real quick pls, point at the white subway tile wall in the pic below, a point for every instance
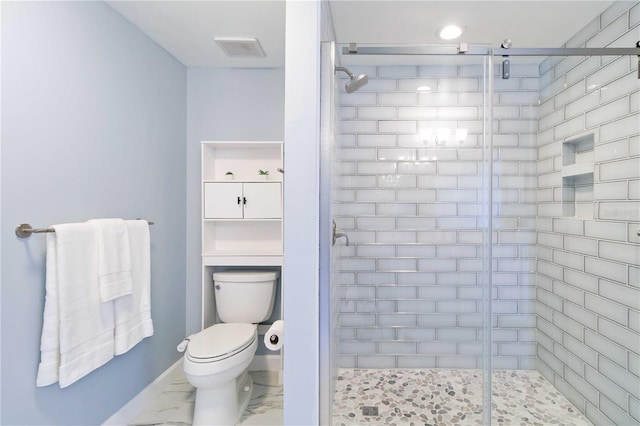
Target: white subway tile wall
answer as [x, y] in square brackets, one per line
[588, 291]
[411, 294]
[566, 295]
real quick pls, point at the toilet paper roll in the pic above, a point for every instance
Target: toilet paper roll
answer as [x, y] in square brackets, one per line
[273, 338]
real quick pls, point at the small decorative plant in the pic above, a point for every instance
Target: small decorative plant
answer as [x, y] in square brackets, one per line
[228, 175]
[263, 174]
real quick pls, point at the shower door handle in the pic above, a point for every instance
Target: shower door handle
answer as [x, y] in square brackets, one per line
[338, 233]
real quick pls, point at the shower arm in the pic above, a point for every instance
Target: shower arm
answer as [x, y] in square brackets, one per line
[345, 70]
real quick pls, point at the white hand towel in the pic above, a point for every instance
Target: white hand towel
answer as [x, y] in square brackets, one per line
[77, 333]
[133, 312]
[50, 340]
[114, 258]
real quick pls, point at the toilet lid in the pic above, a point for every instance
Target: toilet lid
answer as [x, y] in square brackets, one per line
[221, 341]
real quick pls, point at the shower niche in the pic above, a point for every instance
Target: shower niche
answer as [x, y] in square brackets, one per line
[577, 176]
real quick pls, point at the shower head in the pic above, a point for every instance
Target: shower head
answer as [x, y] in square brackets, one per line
[355, 81]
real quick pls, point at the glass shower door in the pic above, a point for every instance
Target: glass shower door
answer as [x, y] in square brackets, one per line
[567, 275]
[329, 306]
[414, 196]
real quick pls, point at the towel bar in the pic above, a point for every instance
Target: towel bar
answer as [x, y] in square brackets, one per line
[25, 230]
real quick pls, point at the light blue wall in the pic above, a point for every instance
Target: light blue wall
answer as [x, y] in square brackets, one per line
[224, 104]
[301, 212]
[93, 125]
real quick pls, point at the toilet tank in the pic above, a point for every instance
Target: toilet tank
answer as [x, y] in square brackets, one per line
[245, 296]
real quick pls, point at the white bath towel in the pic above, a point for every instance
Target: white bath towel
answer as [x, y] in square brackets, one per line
[114, 258]
[133, 312]
[77, 331]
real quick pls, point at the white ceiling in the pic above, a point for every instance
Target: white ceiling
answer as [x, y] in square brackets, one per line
[186, 29]
[526, 23]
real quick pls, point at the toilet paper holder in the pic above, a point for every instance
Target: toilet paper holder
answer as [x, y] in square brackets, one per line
[274, 337]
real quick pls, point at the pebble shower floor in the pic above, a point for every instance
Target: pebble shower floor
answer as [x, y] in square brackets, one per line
[445, 397]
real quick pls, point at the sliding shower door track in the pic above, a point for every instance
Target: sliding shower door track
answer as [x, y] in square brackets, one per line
[482, 49]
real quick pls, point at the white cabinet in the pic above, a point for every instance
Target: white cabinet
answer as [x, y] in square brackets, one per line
[249, 200]
[262, 200]
[222, 200]
[242, 217]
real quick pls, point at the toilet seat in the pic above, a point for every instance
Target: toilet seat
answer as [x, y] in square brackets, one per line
[220, 341]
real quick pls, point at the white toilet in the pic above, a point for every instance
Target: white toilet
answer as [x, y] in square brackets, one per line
[216, 360]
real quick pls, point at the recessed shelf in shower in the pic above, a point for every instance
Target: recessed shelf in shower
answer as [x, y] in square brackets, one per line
[577, 175]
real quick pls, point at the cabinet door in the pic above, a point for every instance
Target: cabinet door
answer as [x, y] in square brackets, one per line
[264, 200]
[221, 200]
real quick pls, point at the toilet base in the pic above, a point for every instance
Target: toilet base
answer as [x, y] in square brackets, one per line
[224, 404]
[245, 389]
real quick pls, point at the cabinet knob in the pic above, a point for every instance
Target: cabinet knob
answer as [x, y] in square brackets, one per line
[238, 200]
[244, 200]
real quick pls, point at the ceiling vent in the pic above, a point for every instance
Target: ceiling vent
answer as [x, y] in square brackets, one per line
[240, 47]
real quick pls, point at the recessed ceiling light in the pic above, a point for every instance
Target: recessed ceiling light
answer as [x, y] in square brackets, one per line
[450, 32]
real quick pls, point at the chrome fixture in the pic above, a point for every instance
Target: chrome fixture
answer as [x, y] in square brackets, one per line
[638, 45]
[506, 63]
[355, 82]
[482, 50]
[338, 233]
[24, 230]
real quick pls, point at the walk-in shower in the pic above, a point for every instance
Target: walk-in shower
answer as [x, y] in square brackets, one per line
[493, 270]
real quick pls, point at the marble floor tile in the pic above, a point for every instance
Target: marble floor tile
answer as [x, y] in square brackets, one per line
[265, 406]
[174, 406]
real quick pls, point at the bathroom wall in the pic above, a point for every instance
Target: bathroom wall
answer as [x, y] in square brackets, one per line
[411, 293]
[304, 27]
[0, 215]
[93, 125]
[588, 248]
[223, 104]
